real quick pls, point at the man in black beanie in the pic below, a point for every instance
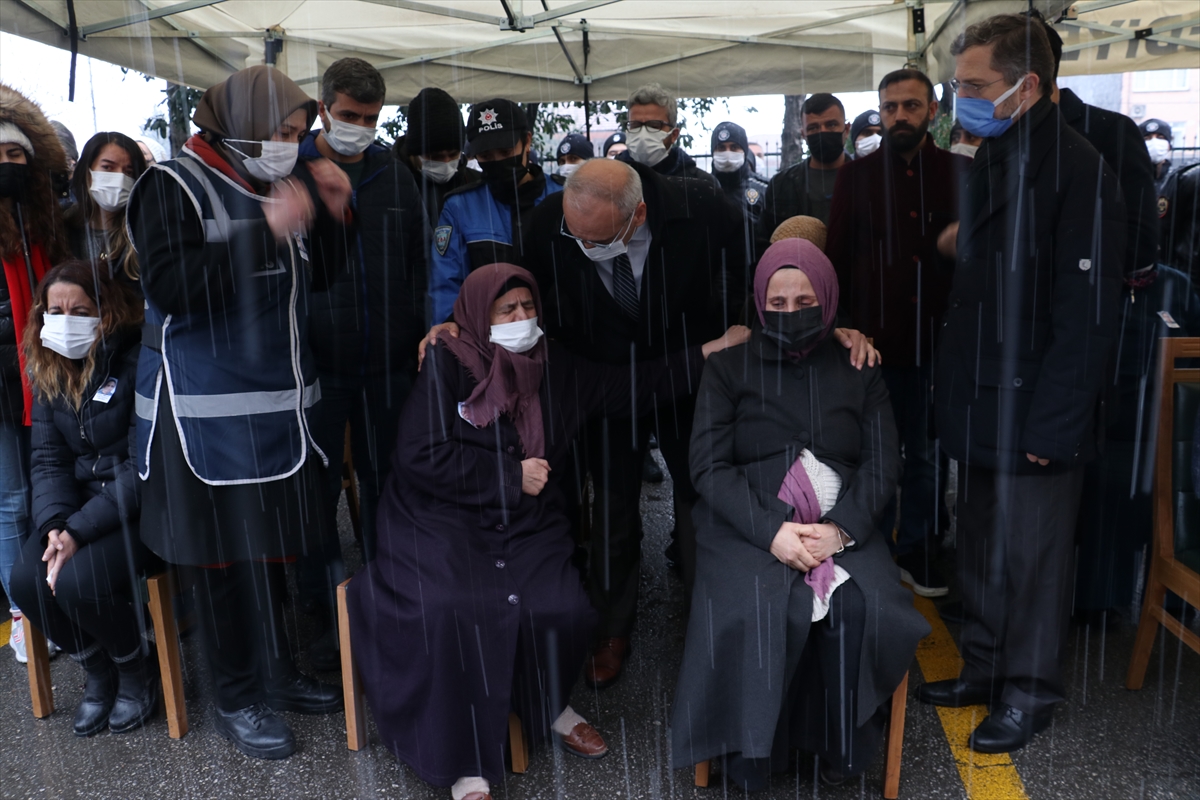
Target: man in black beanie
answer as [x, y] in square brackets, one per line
[432, 148]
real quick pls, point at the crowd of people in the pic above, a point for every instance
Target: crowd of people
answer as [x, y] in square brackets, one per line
[186, 343]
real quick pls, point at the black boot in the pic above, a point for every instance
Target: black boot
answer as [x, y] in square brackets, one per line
[99, 692]
[137, 692]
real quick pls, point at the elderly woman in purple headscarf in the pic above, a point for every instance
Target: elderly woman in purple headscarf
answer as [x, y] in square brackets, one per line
[472, 607]
[800, 629]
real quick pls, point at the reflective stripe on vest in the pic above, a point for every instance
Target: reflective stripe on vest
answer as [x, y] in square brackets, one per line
[209, 406]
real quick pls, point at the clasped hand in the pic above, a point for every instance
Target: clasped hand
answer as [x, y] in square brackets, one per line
[60, 547]
[804, 547]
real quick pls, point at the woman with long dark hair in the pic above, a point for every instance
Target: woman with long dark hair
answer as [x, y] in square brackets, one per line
[108, 167]
[76, 577]
[31, 239]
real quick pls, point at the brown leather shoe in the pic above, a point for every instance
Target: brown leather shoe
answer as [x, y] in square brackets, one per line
[607, 662]
[585, 742]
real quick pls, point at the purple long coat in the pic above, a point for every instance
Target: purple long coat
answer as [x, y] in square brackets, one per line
[472, 607]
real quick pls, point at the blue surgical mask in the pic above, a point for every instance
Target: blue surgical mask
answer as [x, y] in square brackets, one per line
[978, 115]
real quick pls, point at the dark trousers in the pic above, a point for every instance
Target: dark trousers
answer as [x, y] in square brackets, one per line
[1015, 554]
[614, 452]
[239, 608]
[372, 406]
[821, 709]
[911, 396]
[94, 596]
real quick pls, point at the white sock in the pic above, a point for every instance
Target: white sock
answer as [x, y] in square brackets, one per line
[464, 786]
[566, 722]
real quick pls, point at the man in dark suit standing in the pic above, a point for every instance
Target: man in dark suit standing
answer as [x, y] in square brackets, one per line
[888, 209]
[633, 266]
[1027, 336]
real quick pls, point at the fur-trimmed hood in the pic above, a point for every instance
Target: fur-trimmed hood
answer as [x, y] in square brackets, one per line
[27, 115]
[43, 219]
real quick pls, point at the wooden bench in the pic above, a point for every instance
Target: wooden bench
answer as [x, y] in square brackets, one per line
[159, 594]
[891, 760]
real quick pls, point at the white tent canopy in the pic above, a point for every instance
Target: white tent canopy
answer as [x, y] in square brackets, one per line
[534, 51]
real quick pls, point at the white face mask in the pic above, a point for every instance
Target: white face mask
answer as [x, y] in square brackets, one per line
[566, 169]
[516, 337]
[604, 252]
[276, 161]
[726, 161]
[439, 171]
[69, 336]
[646, 146]
[110, 190]
[868, 144]
[964, 149]
[1159, 149]
[347, 139]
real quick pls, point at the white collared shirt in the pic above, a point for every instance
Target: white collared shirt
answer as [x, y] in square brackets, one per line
[638, 251]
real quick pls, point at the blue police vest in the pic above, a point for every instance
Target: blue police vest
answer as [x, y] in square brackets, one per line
[240, 378]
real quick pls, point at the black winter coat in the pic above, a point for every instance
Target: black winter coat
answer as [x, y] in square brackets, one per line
[1117, 138]
[11, 403]
[692, 289]
[677, 164]
[751, 614]
[84, 468]
[1032, 316]
[372, 316]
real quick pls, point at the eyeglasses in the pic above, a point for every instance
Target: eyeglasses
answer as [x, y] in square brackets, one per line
[588, 243]
[971, 89]
[652, 124]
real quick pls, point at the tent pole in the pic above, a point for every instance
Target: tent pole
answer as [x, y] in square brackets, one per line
[587, 106]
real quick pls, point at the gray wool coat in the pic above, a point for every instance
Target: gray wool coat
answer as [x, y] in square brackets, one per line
[750, 613]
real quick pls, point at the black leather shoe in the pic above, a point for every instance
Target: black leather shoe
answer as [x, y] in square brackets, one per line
[137, 696]
[957, 693]
[256, 730]
[651, 471]
[1007, 729]
[99, 694]
[304, 695]
[954, 613]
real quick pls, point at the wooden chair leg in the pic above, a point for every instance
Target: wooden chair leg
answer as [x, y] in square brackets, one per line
[352, 693]
[517, 745]
[170, 668]
[1155, 596]
[40, 690]
[702, 770]
[349, 483]
[895, 741]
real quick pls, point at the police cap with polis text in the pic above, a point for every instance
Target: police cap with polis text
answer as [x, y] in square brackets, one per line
[495, 124]
[867, 119]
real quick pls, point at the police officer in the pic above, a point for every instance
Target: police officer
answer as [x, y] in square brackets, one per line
[733, 167]
[866, 133]
[573, 150]
[1158, 142]
[481, 224]
[614, 145]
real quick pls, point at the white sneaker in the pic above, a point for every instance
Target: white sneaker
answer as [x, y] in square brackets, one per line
[52, 649]
[16, 639]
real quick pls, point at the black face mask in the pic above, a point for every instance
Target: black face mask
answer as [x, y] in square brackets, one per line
[505, 172]
[826, 147]
[14, 180]
[794, 330]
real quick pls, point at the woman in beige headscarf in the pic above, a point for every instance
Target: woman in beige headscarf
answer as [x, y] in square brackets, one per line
[226, 239]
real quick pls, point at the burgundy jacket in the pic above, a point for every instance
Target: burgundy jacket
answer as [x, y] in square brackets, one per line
[883, 230]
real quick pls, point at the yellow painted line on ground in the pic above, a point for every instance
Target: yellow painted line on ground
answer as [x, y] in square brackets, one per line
[4, 629]
[985, 777]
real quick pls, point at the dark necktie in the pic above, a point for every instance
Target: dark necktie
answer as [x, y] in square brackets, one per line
[623, 287]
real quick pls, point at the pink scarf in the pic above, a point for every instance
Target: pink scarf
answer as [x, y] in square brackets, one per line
[797, 491]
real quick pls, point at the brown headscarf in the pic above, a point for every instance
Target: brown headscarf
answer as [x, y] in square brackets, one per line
[507, 383]
[250, 104]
